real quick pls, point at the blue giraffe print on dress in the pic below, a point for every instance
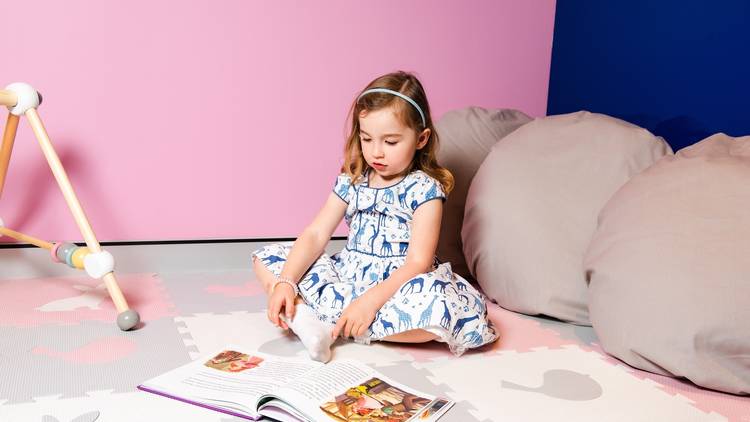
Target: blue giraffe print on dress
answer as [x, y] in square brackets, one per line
[402, 247]
[478, 304]
[343, 189]
[381, 220]
[386, 325]
[473, 338]
[314, 279]
[365, 269]
[388, 196]
[463, 297]
[439, 286]
[402, 195]
[424, 317]
[432, 193]
[336, 298]
[320, 292]
[387, 272]
[404, 318]
[460, 324]
[413, 282]
[386, 249]
[372, 239]
[461, 286]
[401, 222]
[445, 321]
[360, 231]
[272, 259]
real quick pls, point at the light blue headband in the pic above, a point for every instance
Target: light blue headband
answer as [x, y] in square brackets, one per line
[400, 95]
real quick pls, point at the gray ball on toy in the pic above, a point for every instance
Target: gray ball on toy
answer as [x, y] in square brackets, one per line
[127, 320]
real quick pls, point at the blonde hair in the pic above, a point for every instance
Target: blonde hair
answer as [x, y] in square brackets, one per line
[425, 159]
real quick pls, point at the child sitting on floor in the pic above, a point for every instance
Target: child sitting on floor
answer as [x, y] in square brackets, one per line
[386, 283]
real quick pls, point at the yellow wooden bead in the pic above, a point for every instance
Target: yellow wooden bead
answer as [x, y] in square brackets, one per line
[78, 257]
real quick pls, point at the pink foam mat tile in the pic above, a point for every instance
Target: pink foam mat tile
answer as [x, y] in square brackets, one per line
[735, 408]
[69, 300]
[97, 351]
[521, 333]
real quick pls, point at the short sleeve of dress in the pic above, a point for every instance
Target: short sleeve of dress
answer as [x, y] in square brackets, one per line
[425, 190]
[343, 187]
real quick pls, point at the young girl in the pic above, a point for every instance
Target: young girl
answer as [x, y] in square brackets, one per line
[386, 284]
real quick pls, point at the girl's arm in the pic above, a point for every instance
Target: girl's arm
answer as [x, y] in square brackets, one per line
[313, 240]
[306, 249]
[420, 256]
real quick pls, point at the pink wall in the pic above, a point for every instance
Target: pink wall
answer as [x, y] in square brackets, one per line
[198, 120]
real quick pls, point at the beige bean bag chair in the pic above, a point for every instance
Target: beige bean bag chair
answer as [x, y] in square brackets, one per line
[532, 208]
[466, 136]
[669, 267]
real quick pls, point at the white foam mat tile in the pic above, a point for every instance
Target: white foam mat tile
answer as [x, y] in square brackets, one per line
[208, 332]
[122, 407]
[374, 354]
[568, 383]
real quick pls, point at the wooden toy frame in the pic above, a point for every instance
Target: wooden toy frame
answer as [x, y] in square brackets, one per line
[22, 99]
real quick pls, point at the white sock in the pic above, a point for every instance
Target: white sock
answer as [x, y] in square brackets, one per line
[314, 333]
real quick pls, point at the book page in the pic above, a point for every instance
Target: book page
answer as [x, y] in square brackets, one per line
[230, 378]
[350, 391]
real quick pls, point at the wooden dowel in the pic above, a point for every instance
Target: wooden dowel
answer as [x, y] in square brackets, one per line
[8, 98]
[25, 238]
[9, 136]
[115, 293]
[62, 180]
[75, 206]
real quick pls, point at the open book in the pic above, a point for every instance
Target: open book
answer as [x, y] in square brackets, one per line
[252, 384]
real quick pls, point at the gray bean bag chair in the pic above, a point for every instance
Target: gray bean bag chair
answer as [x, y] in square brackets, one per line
[532, 207]
[466, 136]
[669, 267]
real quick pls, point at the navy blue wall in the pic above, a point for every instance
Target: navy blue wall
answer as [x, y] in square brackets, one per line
[678, 68]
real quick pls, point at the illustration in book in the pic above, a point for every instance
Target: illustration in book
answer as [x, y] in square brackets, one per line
[375, 400]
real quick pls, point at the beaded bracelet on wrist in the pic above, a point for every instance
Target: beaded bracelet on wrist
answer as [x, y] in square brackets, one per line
[288, 281]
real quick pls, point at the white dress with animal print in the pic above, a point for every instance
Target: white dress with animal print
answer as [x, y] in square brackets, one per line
[380, 222]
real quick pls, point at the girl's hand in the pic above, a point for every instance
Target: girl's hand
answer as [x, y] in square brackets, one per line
[281, 302]
[356, 318]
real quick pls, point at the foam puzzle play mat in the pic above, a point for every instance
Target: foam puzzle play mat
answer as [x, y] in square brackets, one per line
[62, 358]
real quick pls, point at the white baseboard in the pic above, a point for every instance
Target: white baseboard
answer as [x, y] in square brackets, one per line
[151, 258]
